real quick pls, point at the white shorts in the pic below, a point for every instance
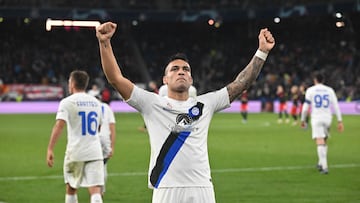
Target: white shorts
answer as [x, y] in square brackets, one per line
[84, 174]
[320, 128]
[184, 195]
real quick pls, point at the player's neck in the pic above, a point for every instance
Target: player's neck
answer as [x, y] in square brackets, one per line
[78, 91]
[180, 96]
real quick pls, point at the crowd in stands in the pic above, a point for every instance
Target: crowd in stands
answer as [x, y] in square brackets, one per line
[159, 4]
[31, 55]
[217, 55]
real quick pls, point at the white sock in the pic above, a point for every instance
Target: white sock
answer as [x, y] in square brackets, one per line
[96, 198]
[325, 165]
[71, 198]
[322, 154]
[105, 178]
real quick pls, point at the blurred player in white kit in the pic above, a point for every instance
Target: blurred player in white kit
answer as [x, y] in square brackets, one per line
[321, 97]
[83, 162]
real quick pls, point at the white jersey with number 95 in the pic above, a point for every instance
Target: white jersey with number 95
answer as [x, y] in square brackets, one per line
[323, 100]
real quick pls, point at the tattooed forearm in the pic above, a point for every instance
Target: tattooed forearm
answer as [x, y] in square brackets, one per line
[245, 78]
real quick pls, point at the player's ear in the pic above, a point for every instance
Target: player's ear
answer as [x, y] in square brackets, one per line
[165, 79]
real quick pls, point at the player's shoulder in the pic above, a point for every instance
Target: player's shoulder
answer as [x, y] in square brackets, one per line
[105, 105]
[67, 99]
[318, 87]
[163, 87]
[329, 88]
[214, 95]
[163, 90]
[325, 88]
[84, 97]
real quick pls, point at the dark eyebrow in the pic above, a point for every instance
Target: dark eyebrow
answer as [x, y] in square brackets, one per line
[176, 66]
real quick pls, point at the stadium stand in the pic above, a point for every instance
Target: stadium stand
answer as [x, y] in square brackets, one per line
[31, 55]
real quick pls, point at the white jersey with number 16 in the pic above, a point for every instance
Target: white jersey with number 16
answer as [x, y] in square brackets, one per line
[82, 114]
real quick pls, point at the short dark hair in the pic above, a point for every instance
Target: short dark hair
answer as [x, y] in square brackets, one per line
[319, 77]
[174, 57]
[80, 79]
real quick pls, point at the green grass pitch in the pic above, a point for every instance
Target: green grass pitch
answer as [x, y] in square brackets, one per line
[260, 161]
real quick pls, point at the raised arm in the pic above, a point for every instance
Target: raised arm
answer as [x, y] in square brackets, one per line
[112, 71]
[252, 70]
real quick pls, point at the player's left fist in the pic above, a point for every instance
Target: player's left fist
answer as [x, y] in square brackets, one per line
[266, 40]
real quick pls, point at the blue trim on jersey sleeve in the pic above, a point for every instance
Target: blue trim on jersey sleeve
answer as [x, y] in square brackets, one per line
[308, 101]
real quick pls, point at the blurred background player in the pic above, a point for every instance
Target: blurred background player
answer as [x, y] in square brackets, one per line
[302, 90]
[244, 106]
[321, 98]
[152, 87]
[94, 91]
[107, 135]
[281, 94]
[163, 91]
[83, 161]
[106, 95]
[295, 103]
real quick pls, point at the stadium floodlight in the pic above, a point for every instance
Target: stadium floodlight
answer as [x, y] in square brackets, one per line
[51, 23]
[277, 20]
[211, 21]
[340, 24]
[338, 15]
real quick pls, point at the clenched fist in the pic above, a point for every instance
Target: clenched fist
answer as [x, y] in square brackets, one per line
[105, 31]
[266, 40]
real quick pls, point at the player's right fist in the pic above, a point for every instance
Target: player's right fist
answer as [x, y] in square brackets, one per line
[105, 31]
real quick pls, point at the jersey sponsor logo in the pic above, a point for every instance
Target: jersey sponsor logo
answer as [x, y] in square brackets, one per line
[183, 119]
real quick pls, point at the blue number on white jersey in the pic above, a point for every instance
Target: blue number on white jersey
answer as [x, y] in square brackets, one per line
[89, 123]
[321, 101]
